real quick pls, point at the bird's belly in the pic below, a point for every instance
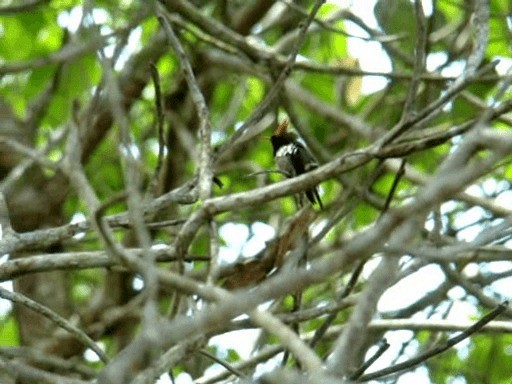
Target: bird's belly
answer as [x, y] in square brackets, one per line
[285, 165]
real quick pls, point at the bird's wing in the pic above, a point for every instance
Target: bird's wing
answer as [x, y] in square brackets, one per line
[302, 160]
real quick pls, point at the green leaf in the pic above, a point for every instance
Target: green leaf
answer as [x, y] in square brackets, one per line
[397, 17]
[9, 332]
[233, 355]
[14, 32]
[364, 214]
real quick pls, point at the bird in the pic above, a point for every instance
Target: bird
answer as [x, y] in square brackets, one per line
[293, 158]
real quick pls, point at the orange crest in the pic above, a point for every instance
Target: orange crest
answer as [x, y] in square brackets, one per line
[281, 128]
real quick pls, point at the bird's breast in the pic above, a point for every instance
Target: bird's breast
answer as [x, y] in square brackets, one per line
[284, 161]
[285, 165]
[286, 150]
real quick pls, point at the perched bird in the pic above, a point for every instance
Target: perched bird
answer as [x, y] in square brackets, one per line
[293, 158]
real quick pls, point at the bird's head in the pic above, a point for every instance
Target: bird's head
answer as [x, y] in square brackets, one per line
[281, 136]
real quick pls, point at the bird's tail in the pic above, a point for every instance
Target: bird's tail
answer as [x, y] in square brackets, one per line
[314, 197]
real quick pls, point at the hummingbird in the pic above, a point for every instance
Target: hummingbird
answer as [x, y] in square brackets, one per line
[293, 158]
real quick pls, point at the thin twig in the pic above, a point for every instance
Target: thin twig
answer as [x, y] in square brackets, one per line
[105, 231]
[21, 299]
[30, 374]
[471, 288]
[392, 190]
[205, 174]
[266, 173]
[82, 260]
[205, 129]
[419, 61]
[159, 106]
[213, 271]
[424, 114]
[481, 38]
[67, 53]
[261, 356]
[222, 362]
[273, 93]
[320, 332]
[438, 349]
[383, 347]
[351, 343]
[49, 361]
[360, 263]
[169, 359]
[289, 339]
[5, 218]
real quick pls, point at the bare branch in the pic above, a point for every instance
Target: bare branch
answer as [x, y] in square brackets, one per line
[205, 130]
[67, 53]
[57, 319]
[438, 349]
